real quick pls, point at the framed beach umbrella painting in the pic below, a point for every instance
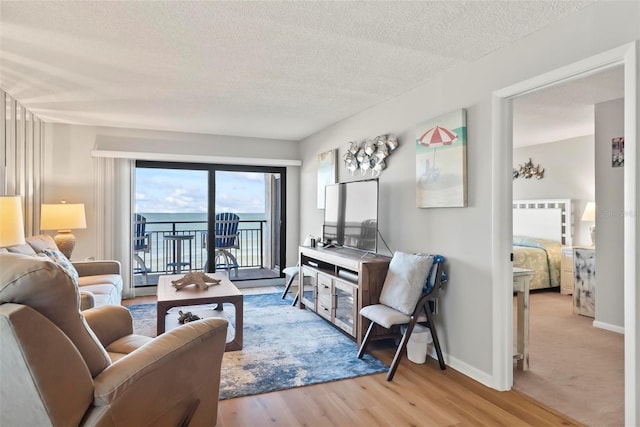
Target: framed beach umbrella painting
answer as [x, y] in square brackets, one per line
[441, 161]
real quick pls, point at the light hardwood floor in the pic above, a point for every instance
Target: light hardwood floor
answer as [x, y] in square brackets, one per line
[419, 395]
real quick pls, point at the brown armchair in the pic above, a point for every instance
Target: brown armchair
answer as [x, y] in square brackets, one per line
[61, 366]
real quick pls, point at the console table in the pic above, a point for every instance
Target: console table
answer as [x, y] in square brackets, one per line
[338, 283]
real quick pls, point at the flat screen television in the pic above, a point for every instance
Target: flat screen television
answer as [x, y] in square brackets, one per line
[351, 215]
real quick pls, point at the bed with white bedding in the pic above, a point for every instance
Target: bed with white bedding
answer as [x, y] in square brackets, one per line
[540, 229]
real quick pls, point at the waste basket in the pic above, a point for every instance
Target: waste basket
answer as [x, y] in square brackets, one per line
[418, 344]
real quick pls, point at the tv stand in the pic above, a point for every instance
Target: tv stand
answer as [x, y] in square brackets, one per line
[338, 282]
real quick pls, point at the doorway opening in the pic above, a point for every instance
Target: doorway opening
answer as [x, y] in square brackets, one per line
[558, 127]
[502, 220]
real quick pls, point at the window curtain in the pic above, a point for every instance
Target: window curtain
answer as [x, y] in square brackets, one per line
[21, 160]
[114, 201]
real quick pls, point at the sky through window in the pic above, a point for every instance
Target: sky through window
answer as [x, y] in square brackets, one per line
[185, 191]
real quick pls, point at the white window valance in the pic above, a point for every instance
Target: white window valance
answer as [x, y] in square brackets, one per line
[212, 149]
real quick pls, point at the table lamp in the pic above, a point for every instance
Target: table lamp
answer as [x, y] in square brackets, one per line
[63, 217]
[589, 214]
[11, 223]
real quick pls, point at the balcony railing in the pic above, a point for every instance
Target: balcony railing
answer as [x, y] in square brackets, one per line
[163, 252]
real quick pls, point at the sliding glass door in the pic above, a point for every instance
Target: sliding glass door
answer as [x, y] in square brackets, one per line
[197, 217]
[249, 196]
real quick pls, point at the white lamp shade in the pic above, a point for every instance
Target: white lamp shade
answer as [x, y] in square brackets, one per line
[11, 222]
[63, 216]
[589, 213]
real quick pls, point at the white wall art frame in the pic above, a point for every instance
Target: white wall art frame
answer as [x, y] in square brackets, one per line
[327, 173]
[441, 161]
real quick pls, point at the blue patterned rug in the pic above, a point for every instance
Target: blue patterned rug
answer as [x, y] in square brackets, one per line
[284, 347]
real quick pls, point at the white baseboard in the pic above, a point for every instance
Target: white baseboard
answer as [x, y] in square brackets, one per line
[145, 291]
[608, 327]
[464, 368]
[471, 371]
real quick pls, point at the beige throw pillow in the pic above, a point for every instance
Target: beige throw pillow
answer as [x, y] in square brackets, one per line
[405, 281]
[41, 242]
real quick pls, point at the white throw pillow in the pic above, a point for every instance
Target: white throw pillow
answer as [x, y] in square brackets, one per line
[405, 281]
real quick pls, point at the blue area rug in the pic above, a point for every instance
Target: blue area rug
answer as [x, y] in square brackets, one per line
[284, 347]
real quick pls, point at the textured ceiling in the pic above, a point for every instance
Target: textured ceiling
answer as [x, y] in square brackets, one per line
[565, 110]
[265, 69]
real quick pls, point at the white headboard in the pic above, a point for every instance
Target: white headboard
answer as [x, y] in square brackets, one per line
[549, 219]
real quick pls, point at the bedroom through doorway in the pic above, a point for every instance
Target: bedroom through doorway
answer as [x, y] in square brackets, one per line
[555, 137]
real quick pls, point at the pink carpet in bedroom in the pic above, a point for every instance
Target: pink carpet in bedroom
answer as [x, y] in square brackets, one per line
[574, 368]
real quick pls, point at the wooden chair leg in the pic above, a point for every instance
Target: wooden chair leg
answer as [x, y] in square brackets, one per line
[436, 341]
[286, 288]
[295, 299]
[401, 349]
[143, 268]
[365, 341]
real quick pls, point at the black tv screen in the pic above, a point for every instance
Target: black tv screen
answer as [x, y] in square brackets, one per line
[351, 215]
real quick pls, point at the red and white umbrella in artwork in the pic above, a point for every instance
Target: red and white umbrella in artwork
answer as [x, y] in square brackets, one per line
[437, 135]
[432, 138]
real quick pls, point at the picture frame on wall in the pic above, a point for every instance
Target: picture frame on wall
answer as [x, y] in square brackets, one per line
[327, 173]
[441, 161]
[617, 152]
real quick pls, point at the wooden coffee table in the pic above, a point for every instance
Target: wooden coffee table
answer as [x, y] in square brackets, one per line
[225, 292]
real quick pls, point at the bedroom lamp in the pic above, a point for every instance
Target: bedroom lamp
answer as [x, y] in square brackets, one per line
[63, 217]
[11, 223]
[589, 214]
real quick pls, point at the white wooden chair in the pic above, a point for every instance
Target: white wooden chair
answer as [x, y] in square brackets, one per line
[141, 243]
[292, 273]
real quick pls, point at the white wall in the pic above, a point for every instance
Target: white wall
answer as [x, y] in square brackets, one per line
[463, 235]
[69, 167]
[568, 174]
[609, 199]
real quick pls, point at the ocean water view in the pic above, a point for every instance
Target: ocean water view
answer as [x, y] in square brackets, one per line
[193, 220]
[251, 236]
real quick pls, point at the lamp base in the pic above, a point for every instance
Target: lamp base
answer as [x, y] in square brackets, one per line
[592, 229]
[65, 241]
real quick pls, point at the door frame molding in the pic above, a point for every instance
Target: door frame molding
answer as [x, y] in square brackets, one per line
[502, 222]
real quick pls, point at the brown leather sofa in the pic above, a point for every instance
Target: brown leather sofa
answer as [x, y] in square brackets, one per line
[100, 281]
[60, 366]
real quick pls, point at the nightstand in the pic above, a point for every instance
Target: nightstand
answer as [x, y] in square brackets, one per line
[584, 291]
[566, 271]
